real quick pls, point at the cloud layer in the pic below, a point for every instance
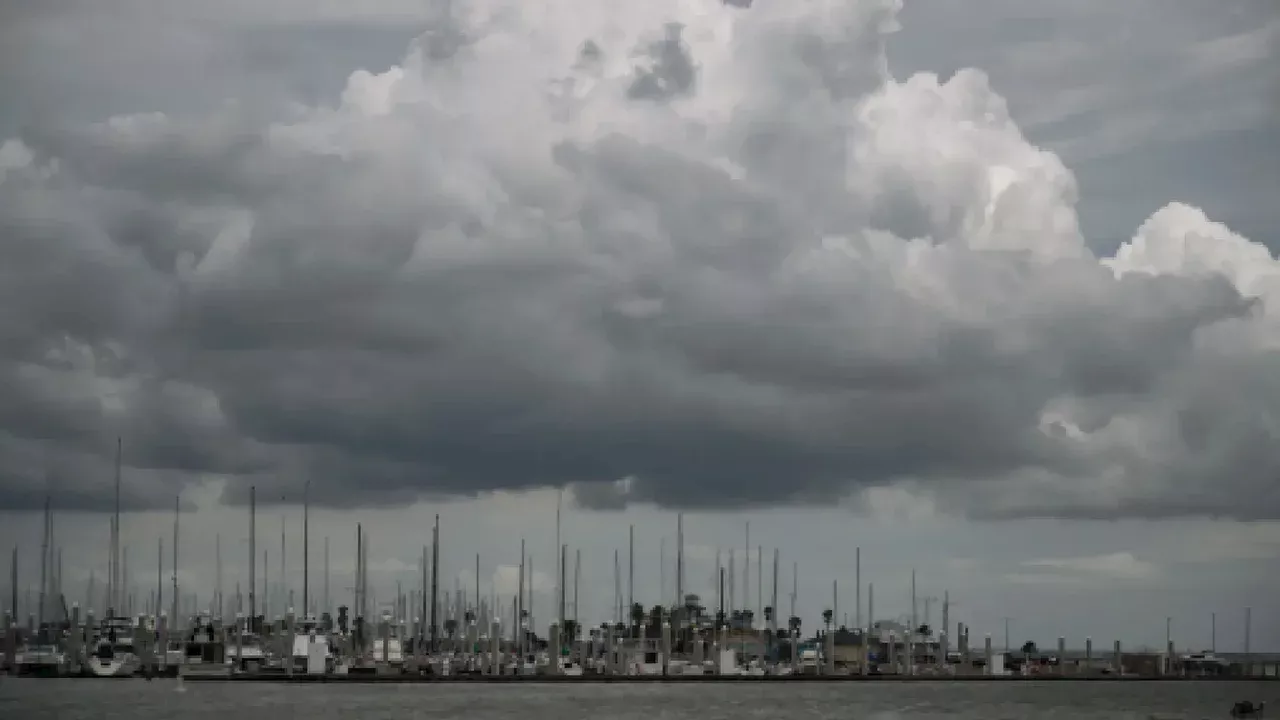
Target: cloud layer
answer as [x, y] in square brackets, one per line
[676, 252]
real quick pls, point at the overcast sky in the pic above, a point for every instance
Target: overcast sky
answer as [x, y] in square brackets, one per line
[987, 289]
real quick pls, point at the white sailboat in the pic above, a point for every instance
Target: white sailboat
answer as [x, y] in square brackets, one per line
[115, 654]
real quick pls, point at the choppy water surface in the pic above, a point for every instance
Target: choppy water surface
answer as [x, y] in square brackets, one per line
[162, 700]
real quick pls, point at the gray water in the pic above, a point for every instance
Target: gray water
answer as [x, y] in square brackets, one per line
[34, 699]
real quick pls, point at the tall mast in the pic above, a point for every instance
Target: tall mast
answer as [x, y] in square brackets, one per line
[358, 589]
[520, 593]
[253, 554]
[857, 579]
[217, 582]
[795, 584]
[915, 622]
[159, 576]
[324, 601]
[435, 581]
[662, 571]
[44, 564]
[746, 572]
[114, 594]
[284, 578]
[306, 549]
[559, 585]
[679, 562]
[577, 572]
[774, 624]
[174, 617]
[13, 584]
[631, 568]
[58, 582]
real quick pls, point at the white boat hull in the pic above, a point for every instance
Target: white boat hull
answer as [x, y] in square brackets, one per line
[117, 666]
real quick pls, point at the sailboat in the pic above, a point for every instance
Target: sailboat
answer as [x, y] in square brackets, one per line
[115, 654]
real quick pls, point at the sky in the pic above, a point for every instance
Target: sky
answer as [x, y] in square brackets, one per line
[988, 292]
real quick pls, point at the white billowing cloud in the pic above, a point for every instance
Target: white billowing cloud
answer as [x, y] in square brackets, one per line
[720, 254]
[1180, 240]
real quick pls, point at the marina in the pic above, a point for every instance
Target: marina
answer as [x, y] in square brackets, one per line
[427, 634]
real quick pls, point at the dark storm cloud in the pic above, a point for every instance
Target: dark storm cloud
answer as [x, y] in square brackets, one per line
[410, 294]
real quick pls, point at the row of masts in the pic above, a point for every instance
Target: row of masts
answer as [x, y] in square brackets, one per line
[425, 602]
[119, 600]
